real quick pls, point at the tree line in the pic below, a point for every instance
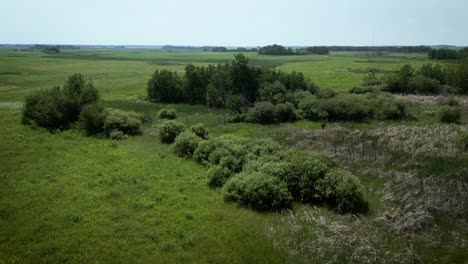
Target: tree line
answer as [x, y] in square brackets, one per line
[448, 54]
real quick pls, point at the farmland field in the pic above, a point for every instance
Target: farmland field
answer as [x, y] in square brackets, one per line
[69, 198]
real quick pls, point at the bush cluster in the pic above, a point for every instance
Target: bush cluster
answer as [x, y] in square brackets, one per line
[449, 114]
[167, 113]
[169, 130]
[200, 130]
[262, 175]
[185, 144]
[58, 108]
[128, 123]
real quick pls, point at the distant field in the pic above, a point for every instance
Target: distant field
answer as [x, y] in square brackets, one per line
[123, 73]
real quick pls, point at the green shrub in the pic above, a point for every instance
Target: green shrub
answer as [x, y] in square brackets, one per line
[117, 135]
[127, 122]
[92, 118]
[340, 108]
[362, 90]
[167, 113]
[384, 107]
[218, 176]
[285, 112]
[448, 101]
[200, 130]
[203, 151]
[342, 190]
[262, 112]
[257, 191]
[463, 142]
[449, 114]
[44, 109]
[185, 144]
[169, 130]
[166, 86]
[325, 93]
[58, 108]
[422, 85]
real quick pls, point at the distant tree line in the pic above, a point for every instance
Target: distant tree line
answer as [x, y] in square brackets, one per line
[240, 49]
[276, 49]
[448, 54]
[400, 49]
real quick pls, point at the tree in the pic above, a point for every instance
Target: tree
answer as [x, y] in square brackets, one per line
[165, 86]
[244, 78]
[196, 82]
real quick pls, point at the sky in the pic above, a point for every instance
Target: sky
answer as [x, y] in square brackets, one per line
[235, 23]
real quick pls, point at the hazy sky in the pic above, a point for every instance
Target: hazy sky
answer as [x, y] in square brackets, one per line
[235, 23]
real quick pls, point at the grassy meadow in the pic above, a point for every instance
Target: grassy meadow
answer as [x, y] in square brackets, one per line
[68, 198]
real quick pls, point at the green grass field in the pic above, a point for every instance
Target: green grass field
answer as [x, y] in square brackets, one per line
[68, 198]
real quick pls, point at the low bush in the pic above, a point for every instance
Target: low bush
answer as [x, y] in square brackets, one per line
[422, 85]
[218, 176]
[200, 130]
[127, 122]
[342, 108]
[285, 112]
[257, 191]
[449, 114]
[92, 118]
[448, 101]
[167, 113]
[117, 135]
[342, 190]
[203, 151]
[325, 93]
[169, 130]
[262, 112]
[362, 90]
[385, 107]
[185, 144]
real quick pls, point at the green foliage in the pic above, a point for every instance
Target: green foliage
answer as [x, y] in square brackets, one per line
[169, 130]
[318, 50]
[117, 135]
[92, 118]
[285, 112]
[167, 113]
[236, 104]
[275, 50]
[325, 93]
[362, 90]
[257, 191]
[196, 82]
[422, 85]
[59, 108]
[218, 176]
[127, 122]
[443, 54]
[200, 130]
[448, 101]
[342, 190]
[262, 112]
[272, 92]
[342, 108]
[203, 151]
[185, 144]
[384, 107]
[165, 86]
[449, 114]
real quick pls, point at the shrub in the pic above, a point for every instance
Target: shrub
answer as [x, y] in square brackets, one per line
[362, 90]
[218, 176]
[257, 191]
[341, 108]
[385, 107]
[463, 142]
[185, 144]
[169, 130]
[449, 114]
[92, 118]
[59, 108]
[117, 135]
[127, 122]
[167, 113]
[341, 189]
[203, 151]
[200, 130]
[422, 85]
[448, 101]
[285, 112]
[325, 93]
[44, 109]
[262, 112]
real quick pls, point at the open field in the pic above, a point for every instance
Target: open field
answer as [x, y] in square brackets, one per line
[68, 198]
